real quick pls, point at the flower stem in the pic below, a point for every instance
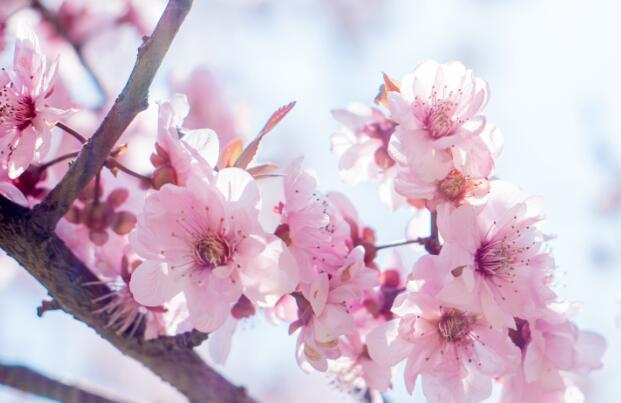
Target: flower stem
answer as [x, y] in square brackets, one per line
[72, 132]
[58, 159]
[114, 164]
[420, 241]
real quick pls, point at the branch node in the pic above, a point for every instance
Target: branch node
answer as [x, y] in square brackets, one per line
[47, 305]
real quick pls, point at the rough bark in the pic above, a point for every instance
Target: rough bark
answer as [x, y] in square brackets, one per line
[35, 383]
[28, 236]
[70, 283]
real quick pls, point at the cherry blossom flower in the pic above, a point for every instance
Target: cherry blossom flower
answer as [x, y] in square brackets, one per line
[440, 176]
[362, 146]
[440, 103]
[204, 241]
[498, 256]
[455, 351]
[550, 351]
[311, 226]
[443, 148]
[323, 314]
[83, 20]
[26, 118]
[179, 152]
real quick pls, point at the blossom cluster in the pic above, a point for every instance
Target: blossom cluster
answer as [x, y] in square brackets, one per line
[209, 236]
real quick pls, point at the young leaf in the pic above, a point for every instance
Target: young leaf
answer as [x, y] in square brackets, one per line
[251, 150]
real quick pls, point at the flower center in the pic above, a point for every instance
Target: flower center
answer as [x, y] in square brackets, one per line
[494, 257]
[17, 113]
[438, 120]
[212, 250]
[453, 187]
[454, 325]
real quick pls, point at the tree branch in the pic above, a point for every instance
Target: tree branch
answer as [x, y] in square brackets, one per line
[27, 380]
[27, 236]
[52, 263]
[132, 100]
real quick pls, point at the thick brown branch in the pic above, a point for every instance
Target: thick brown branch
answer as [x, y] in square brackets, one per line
[49, 260]
[27, 380]
[131, 101]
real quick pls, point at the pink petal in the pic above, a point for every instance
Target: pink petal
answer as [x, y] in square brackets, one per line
[385, 345]
[151, 284]
[238, 185]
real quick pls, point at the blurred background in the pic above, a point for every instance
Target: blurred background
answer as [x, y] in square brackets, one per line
[554, 69]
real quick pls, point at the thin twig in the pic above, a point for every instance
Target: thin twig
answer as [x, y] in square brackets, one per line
[114, 164]
[110, 163]
[132, 100]
[58, 159]
[420, 241]
[33, 382]
[72, 132]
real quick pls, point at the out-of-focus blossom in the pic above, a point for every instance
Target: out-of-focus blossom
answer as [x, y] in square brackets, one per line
[204, 240]
[9, 7]
[208, 105]
[81, 19]
[26, 118]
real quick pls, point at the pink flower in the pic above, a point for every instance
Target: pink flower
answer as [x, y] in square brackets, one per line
[550, 351]
[443, 175]
[497, 255]
[444, 149]
[204, 241]
[25, 117]
[310, 225]
[362, 145]
[179, 152]
[455, 351]
[323, 309]
[441, 102]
